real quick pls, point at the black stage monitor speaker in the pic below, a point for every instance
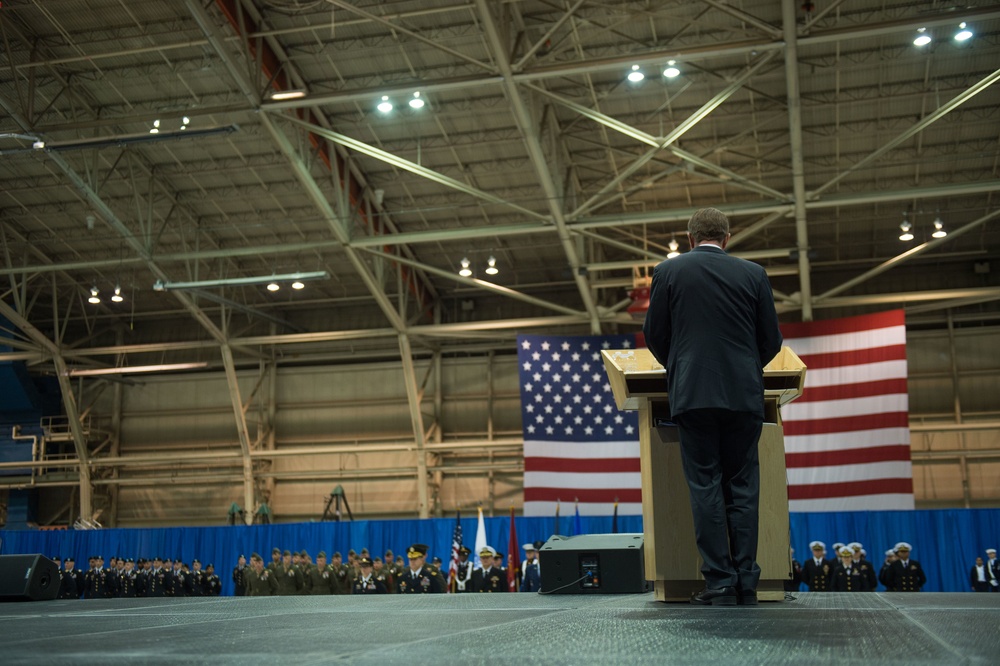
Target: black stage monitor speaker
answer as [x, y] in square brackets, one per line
[593, 564]
[28, 578]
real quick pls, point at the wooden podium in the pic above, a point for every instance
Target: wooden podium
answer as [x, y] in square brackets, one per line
[672, 559]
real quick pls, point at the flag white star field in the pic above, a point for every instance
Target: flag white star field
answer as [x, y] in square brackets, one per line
[847, 438]
[577, 445]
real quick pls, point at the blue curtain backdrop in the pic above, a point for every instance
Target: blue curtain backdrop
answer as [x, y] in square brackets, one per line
[945, 542]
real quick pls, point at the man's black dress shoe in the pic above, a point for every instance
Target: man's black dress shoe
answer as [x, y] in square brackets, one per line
[748, 597]
[723, 596]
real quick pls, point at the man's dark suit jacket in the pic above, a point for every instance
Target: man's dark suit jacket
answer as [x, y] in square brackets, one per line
[712, 324]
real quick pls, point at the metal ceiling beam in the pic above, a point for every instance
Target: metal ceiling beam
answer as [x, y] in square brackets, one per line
[69, 404]
[475, 282]
[407, 165]
[241, 430]
[741, 15]
[909, 254]
[529, 131]
[417, 422]
[794, 102]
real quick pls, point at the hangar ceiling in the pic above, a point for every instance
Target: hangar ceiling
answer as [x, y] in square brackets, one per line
[819, 127]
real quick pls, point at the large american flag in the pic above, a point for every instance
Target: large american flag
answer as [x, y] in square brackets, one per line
[847, 437]
[577, 445]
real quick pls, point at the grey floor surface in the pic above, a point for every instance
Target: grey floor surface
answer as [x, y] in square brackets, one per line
[504, 629]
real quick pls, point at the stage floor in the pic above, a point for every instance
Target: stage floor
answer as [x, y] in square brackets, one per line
[504, 629]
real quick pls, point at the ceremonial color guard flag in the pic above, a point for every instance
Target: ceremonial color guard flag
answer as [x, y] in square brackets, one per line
[577, 445]
[847, 438]
[456, 546]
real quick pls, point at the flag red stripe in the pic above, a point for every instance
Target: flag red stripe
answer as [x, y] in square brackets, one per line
[810, 329]
[587, 495]
[847, 391]
[847, 424]
[848, 456]
[540, 464]
[854, 357]
[852, 489]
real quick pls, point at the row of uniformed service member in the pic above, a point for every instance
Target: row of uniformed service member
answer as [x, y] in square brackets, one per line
[850, 571]
[157, 577]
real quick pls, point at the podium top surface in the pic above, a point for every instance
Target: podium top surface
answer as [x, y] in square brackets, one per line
[646, 379]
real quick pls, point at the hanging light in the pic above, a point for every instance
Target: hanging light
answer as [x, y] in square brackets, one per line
[416, 102]
[491, 268]
[385, 106]
[288, 94]
[117, 297]
[671, 70]
[674, 249]
[905, 226]
[939, 231]
[963, 33]
[94, 298]
[156, 127]
[922, 38]
[636, 74]
[185, 121]
[466, 271]
[273, 286]
[298, 285]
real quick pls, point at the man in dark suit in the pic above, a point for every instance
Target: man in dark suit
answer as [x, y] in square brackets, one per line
[712, 324]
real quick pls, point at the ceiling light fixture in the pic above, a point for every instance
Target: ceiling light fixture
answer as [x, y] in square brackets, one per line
[288, 94]
[385, 106]
[240, 282]
[156, 127]
[94, 298]
[963, 33]
[674, 248]
[491, 268]
[466, 271]
[298, 285]
[117, 297]
[922, 38]
[416, 102]
[905, 226]
[273, 286]
[636, 74]
[671, 70]
[939, 231]
[133, 369]
[185, 121]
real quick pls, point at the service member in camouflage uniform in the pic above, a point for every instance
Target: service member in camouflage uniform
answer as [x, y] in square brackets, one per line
[342, 575]
[320, 579]
[260, 582]
[289, 577]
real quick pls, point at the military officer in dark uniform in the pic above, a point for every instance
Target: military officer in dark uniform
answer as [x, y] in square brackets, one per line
[211, 585]
[239, 576]
[816, 572]
[127, 582]
[260, 582]
[418, 579]
[463, 575]
[367, 583]
[993, 569]
[142, 566]
[847, 576]
[95, 582]
[883, 573]
[793, 583]
[156, 579]
[289, 577]
[531, 573]
[487, 578]
[176, 585]
[859, 562]
[905, 575]
[69, 581]
[320, 580]
[194, 581]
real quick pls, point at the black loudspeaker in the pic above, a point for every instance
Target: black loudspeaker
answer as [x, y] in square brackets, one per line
[593, 564]
[28, 578]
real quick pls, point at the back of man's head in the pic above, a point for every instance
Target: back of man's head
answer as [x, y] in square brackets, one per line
[708, 224]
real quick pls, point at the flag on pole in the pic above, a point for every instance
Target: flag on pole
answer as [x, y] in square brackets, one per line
[456, 545]
[847, 438]
[513, 557]
[577, 524]
[480, 536]
[555, 529]
[614, 520]
[576, 442]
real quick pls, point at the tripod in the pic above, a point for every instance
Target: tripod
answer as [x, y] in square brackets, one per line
[335, 498]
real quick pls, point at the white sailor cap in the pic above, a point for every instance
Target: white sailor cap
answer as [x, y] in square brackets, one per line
[854, 545]
[902, 545]
[837, 546]
[890, 552]
[529, 546]
[845, 552]
[991, 550]
[813, 545]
